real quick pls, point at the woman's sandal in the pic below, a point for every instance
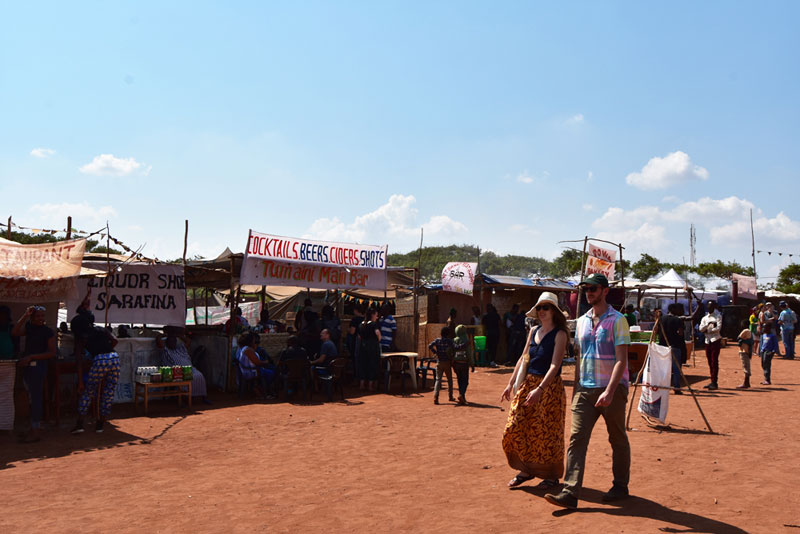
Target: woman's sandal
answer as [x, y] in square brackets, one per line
[519, 479]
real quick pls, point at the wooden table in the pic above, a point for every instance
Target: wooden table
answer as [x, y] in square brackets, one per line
[412, 364]
[170, 389]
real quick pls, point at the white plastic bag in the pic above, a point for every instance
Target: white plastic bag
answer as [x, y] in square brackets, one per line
[656, 379]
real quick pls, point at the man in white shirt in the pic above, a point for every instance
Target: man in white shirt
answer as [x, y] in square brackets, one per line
[710, 325]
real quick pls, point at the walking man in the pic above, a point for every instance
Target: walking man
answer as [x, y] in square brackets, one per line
[787, 319]
[710, 325]
[601, 391]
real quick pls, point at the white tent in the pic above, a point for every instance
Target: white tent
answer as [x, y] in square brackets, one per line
[672, 284]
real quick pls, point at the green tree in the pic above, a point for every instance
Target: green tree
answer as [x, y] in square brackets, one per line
[722, 269]
[567, 264]
[789, 279]
[646, 267]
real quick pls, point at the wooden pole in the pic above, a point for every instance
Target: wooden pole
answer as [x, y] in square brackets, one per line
[622, 275]
[583, 270]
[205, 294]
[8, 228]
[69, 227]
[416, 311]
[108, 263]
[753, 241]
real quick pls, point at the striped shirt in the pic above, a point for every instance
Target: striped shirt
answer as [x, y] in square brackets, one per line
[598, 347]
[388, 328]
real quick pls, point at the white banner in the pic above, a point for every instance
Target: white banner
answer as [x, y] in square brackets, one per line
[258, 272]
[656, 379]
[459, 277]
[307, 251]
[596, 265]
[39, 273]
[286, 261]
[604, 254]
[139, 294]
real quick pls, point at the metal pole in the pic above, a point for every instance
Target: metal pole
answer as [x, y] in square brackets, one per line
[753, 241]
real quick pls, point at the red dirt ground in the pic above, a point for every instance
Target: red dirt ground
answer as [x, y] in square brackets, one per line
[392, 463]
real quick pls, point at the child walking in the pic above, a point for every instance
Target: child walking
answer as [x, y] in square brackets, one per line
[462, 361]
[444, 348]
[745, 341]
[767, 349]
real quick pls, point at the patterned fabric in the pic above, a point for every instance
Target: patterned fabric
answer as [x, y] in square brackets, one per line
[533, 439]
[105, 369]
[388, 328]
[443, 347]
[598, 347]
[180, 356]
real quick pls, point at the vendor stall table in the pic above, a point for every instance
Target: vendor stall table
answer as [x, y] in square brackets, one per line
[412, 364]
[170, 389]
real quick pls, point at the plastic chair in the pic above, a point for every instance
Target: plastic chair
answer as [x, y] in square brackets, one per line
[423, 368]
[244, 385]
[296, 372]
[396, 366]
[336, 377]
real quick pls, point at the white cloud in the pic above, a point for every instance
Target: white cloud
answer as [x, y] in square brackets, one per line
[82, 214]
[673, 169]
[42, 153]
[778, 230]
[590, 176]
[671, 199]
[705, 210]
[575, 119]
[524, 229]
[394, 222]
[646, 237]
[109, 165]
[525, 178]
[587, 207]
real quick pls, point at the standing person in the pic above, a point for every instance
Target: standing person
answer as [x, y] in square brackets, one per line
[451, 319]
[476, 316]
[602, 390]
[369, 350]
[755, 326]
[352, 332]
[771, 319]
[745, 341]
[515, 322]
[40, 346]
[444, 349]
[710, 325]
[491, 324]
[673, 337]
[104, 370]
[786, 320]
[81, 326]
[767, 349]
[388, 328]
[463, 359]
[630, 316]
[533, 439]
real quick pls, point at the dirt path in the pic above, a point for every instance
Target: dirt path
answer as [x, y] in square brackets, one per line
[387, 462]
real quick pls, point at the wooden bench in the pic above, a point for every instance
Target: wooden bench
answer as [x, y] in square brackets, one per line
[162, 390]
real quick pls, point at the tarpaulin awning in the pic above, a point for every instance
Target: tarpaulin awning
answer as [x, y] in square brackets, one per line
[532, 283]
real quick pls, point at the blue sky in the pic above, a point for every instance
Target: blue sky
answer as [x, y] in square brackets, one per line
[507, 125]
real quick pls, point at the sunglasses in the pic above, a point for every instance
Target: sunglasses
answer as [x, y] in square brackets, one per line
[545, 307]
[591, 288]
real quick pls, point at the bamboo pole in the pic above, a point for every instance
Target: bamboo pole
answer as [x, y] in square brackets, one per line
[108, 263]
[69, 227]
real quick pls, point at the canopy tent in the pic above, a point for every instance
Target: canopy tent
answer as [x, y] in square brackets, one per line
[672, 284]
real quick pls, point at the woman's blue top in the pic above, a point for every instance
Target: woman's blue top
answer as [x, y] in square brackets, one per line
[541, 354]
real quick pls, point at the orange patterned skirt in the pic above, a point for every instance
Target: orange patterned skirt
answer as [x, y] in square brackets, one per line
[533, 439]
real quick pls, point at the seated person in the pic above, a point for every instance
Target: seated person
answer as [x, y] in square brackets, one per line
[293, 351]
[252, 366]
[175, 352]
[327, 353]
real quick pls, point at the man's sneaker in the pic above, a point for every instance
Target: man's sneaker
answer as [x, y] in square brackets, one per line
[615, 494]
[98, 427]
[712, 386]
[78, 429]
[563, 499]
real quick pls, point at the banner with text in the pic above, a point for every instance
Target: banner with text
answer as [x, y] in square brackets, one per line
[139, 294]
[39, 273]
[601, 260]
[459, 277]
[746, 286]
[287, 261]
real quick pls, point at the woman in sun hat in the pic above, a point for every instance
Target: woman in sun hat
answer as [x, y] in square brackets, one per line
[533, 439]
